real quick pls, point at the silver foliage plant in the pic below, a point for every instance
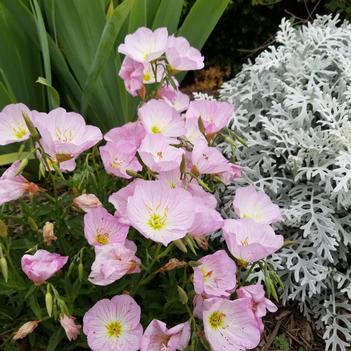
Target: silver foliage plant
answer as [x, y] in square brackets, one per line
[293, 106]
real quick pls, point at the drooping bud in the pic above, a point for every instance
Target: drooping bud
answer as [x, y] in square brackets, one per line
[71, 328]
[183, 297]
[25, 329]
[86, 202]
[49, 302]
[4, 268]
[3, 229]
[48, 233]
[173, 263]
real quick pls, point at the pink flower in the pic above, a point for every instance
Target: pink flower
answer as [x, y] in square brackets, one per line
[131, 133]
[149, 73]
[119, 200]
[250, 241]
[158, 117]
[158, 155]
[112, 262]
[157, 337]
[72, 329]
[64, 136]
[207, 199]
[181, 56]
[259, 303]
[13, 186]
[118, 158]
[208, 220]
[101, 228]
[13, 128]
[86, 202]
[193, 133]
[171, 178]
[42, 265]
[145, 45]
[249, 203]
[160, 213]
[215, 115]
[229, 176]
[113, 325]
[132, 73]
[230, 325]
[208, 160]
[216, 275]
[174, 98]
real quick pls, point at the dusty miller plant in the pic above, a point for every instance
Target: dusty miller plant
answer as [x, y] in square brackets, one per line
[293, 106]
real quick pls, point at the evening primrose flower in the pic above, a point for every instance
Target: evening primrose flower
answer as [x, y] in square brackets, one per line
[174, 98]
[158, 155]
[158, 117]
[72, 329]
[13, 186]
[249, 241]
[159, 212]
[132, 73]
[181, 56]
[215, 275]
[259, 303]
[102, 228]
[13, 127]
[64, 136]
[112, 262]
[145, 45]
[113, 325]
[86, 202]
[230, 325]
[215, 115]
[118, 158]
[42, 265]
[157, 337]
[256, 205]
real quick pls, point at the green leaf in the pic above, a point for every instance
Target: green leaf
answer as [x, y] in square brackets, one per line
[106, 45]
[51, 90]
[12, 157]
[55, 339]
[168, 15]
[138, 16]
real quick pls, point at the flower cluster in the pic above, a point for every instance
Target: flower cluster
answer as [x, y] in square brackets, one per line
[170, 166]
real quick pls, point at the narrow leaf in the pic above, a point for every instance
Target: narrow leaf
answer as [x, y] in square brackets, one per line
[168, 15]
[51, 90]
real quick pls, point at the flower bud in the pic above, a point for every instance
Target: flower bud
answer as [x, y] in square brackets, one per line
[25, 329]
[191, 244]
[173, 263]
[202, 242]
[3, 229]
[49, 302]
[22, 166]
[180, 245]
[48, 233]
[71, 328]
[33, 131]
[80, 271]
[4, 268]
[86, 202]
[183, 297]
[32, 224]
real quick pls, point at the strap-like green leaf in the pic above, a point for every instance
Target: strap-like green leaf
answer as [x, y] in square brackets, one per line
[168, 15]
[51, 90]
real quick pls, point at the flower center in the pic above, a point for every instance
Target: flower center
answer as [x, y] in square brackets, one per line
[102, 238]
[216, 320]
[255, 214]
[155, 130]
[65, 136]
[20, 131]
[245, 242]
[116, 163]
[206, 275]
[159, 155]
[114, 329]
[156, 221]
[147, 77]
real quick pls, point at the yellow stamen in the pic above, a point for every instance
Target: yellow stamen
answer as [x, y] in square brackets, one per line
[147, 77]
[65, 136]
[155, 130]
[114, 329]
[216, 320]
[102, 238]
[206, 275]
[19, 132]
[156, 221]
[245, 242]
[116, 164]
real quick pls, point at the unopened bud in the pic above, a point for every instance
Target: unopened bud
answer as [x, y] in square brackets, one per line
[25, 329]
[191, 244]
[49, 302]
[22, 166]
[86, 202]
[48, 233]
[133, 174]
[32, 224]
[3, 229]
[173, 263]
[4, 268]
[80, 271]
[202, 242]
[183, 297]
[180, 245]
[32, 130]
[194, 263]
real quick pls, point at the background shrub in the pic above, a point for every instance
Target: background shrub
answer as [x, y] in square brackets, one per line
[293, 106]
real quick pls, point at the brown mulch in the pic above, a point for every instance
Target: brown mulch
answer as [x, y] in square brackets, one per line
[288, 330]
